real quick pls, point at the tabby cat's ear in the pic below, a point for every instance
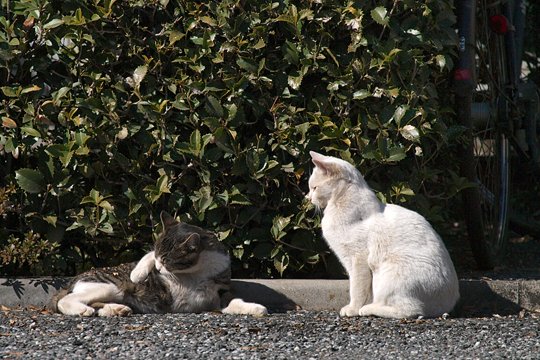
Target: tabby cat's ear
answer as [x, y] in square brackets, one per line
[193, 241]
[167, 220]
[324, 163]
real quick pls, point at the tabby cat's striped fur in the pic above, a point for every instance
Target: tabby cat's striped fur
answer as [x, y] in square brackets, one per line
[188, 271]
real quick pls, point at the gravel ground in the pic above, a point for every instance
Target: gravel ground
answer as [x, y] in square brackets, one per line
[37, 334]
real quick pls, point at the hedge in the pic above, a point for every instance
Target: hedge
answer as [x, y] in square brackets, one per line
[113, 111]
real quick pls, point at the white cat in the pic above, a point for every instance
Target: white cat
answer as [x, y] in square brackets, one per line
[398, 266]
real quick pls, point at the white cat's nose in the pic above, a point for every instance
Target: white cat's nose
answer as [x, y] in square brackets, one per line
[308, 196]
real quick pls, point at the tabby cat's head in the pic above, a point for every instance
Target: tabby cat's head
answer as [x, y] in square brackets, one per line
[178, 248]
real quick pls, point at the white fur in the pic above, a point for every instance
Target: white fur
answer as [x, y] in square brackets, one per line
[84, 293]
[240, 307]
[112, 309]
[397, 264]
[143, 268]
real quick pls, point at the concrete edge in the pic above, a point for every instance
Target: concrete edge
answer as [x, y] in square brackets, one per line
[477, 296]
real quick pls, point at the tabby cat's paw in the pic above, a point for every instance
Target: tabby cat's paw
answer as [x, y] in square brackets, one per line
[67, 307]
[114, 310]
[349, 310]
[259, 310]
[240, 307]
[88, 311]
[138, 275]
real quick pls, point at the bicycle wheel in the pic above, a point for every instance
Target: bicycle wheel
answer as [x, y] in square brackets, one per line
[486, 205]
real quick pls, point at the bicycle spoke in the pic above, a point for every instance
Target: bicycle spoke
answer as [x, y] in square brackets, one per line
[490, 144]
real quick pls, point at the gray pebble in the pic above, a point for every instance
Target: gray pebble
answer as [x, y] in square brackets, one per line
[293, 335]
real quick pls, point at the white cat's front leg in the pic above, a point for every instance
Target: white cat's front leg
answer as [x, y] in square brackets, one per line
[143, 268]
[359, 287]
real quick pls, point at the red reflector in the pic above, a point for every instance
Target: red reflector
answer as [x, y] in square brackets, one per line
[462, 74]
[499, 24]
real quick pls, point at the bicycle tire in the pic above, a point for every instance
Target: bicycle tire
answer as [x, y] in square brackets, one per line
[487, 153]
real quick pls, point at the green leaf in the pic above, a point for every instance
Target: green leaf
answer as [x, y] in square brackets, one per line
[361, 94]
[202, 199]
[247, 65]
[10, 91]
[379, 15]
[208, 20]
[30, 89]
[278, 225]
[237, 198]
[61, 93]
[290, 52]
[81, 138]
[295, 81]
[106, 205]
[51, 219]
[223, 140]
[214, 106]
[396, 154]
[163, 184]
[406, 191]
[30, 180]
[139, 74]
[154, 192]
[106, 228]
[94, 198]
[8, 123]
[56, 150]
[410, 133]
[53, 24]
[30, 131]
[175, 36]
[441, 61]
[281, 264]
[195, 144]
[260, 44]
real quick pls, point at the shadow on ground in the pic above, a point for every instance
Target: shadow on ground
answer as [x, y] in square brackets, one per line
[480, 300]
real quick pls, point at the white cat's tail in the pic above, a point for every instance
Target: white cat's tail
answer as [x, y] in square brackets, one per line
[240, 307]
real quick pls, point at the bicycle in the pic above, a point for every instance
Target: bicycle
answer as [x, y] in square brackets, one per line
[500, 110]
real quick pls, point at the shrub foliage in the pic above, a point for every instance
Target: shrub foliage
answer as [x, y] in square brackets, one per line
[115, 110]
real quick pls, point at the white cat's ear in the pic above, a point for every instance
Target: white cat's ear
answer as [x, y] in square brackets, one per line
[167, 220]
[322, 162]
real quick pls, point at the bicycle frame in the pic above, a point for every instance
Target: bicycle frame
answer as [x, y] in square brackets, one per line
[521, 135]
[505, 113]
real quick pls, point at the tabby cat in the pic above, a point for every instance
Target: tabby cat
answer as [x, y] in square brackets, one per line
[189, 271]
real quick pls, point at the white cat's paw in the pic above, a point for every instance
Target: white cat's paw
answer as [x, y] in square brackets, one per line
[114, 310]
[138, 275]
[349, 310]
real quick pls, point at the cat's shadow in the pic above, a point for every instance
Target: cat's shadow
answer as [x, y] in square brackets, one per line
[255, 292]
[479, 299]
